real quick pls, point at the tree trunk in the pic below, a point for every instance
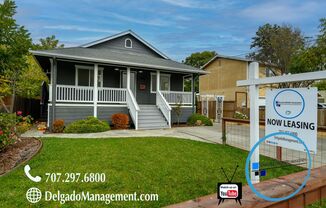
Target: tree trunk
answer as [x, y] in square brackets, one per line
[13, 98]
[4, 106]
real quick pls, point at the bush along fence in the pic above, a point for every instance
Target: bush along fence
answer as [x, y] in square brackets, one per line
[235, 132]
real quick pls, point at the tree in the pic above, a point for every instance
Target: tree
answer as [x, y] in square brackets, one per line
[47, 43]
[197, 60]
[312, 57]
[31, 79]
[276, 45]
[32, 76]
[178, 109]
[15, 42]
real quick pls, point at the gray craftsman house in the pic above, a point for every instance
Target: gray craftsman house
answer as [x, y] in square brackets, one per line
[118, 74]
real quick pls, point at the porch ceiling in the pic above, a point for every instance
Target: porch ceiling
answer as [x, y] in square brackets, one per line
[117, 57]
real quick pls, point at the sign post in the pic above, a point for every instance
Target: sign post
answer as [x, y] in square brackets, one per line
[254, 121]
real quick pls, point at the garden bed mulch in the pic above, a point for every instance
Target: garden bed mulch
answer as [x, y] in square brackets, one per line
[22, 150]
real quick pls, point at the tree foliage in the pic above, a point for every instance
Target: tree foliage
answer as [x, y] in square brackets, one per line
[276, 45]
[197, 60]
[15, 42]
[31, 79]
[312, 57]
[321, 85]
[47, 43]
[19, 72]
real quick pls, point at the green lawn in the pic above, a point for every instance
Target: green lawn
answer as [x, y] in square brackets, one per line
[176, 169]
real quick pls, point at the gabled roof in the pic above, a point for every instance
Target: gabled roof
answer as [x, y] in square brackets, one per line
[128, 32]
[237, 59]
[117, 57]
[226, 57]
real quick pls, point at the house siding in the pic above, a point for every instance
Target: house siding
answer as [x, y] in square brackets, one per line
[144, 96]
[105, 113]
[119, 44]
[73, 113]
[67, 74]
[224, 73]
[222, 79]
[185, 114]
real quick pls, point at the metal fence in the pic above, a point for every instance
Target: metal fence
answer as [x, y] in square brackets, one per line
[236, 133]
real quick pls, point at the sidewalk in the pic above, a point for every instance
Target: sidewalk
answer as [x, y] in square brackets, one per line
[211, 134]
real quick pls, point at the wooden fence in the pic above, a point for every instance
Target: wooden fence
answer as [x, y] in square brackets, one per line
[229, 108]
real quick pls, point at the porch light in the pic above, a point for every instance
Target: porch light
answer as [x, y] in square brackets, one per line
[140, 72]
[116, 69]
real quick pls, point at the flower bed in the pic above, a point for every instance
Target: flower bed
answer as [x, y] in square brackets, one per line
[12, 126]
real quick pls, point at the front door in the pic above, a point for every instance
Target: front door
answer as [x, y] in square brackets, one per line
[132, 81]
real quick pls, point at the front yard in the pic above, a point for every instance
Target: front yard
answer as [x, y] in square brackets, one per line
[175, 169]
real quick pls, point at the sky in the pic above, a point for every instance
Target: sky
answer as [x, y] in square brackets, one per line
[176, 27]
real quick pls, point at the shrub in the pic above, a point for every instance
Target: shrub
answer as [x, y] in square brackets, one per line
[192, 120]
[240, 115]
[89, 125]
[22, 127]
[7, 129]
[58, 126]
[120, 121]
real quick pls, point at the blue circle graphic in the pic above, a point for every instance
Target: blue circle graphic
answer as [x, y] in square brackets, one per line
[248, 161]
[290, 117]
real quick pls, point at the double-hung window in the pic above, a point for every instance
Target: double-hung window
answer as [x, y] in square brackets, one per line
[165, 82]
[85, 76]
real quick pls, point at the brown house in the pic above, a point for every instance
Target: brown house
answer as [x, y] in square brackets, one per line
[224, 72]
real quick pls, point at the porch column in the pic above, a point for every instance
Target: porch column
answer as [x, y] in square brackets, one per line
[128, 78]
[95, 93]
[193, 92]
[54, 90]
[157, 80]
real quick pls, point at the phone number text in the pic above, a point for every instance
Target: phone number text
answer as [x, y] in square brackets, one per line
[75, 177]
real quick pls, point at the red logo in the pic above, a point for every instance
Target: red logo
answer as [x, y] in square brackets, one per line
[232, 193]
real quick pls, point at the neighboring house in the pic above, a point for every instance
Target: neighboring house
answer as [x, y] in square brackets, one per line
[224, 72]
[128, 75]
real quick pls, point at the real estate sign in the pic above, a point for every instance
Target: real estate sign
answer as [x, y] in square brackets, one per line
[294, 111]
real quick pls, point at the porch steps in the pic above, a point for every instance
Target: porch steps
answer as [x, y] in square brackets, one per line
[150, 117]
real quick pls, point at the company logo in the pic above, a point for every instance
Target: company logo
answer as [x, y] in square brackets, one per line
[33, 195]
[229, 190]
[288, 103]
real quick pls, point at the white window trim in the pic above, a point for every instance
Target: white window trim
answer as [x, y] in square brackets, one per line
[161, 75]
[126, 43]
[121, 79]
[183, 82]
[100, 70]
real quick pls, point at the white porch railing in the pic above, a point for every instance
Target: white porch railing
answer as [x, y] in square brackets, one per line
[71, 93]
[164, 106]
[112, 95]
[133, 107]
[174, 97]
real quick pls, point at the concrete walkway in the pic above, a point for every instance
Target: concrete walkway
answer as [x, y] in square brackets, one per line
[211, 134]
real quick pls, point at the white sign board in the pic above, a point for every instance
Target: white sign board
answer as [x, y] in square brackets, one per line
[292, 110]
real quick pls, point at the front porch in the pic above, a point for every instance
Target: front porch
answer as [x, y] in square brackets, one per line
[100, 90]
